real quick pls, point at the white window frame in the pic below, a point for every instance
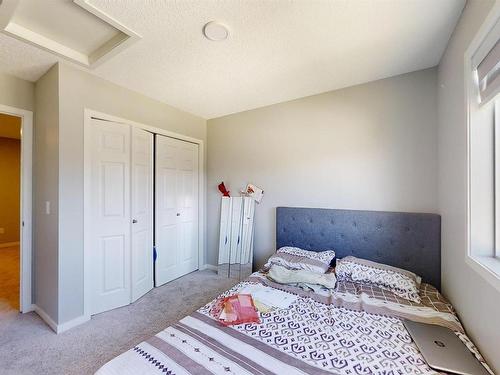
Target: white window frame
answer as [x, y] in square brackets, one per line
[487, 266]
[496, 168]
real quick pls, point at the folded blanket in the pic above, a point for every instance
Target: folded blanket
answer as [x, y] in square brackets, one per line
[283, 275]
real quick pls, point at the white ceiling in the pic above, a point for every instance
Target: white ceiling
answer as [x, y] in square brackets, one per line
[277, 50]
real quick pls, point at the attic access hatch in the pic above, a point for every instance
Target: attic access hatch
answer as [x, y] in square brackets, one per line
[73, 29]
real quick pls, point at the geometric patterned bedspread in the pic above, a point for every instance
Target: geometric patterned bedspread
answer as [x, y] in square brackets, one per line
[355, 330]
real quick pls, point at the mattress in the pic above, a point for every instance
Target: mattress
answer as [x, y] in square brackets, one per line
[357, 329]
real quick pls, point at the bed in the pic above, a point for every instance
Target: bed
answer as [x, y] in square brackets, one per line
[356, 329]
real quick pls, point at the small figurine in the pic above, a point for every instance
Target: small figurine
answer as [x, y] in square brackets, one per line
[223, 190]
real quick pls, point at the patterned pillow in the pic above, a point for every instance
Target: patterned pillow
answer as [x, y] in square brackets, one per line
[295, 258]
[400, 282]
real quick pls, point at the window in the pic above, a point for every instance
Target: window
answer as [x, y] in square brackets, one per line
[482, 62]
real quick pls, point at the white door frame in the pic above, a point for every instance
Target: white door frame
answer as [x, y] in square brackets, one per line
[88, 115]
[26, 201]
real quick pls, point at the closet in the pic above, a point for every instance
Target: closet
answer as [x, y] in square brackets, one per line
[143, 199]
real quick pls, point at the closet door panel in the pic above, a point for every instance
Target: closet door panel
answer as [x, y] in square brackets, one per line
[176, 208]
[110, 215]
[142, 212]
[166, 210]
[188, 206]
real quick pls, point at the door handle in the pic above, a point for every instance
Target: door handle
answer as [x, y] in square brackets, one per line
[134, 221]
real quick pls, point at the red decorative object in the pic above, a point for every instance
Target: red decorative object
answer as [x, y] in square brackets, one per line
[223, 190]
[235, 309]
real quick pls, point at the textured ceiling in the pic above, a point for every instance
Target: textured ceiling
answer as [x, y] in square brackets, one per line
[277, 50]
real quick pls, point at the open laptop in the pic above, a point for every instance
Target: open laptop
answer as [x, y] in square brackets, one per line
[443, 350]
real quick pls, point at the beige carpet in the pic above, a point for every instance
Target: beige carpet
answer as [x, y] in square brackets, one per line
[28, 346]
[9, 279]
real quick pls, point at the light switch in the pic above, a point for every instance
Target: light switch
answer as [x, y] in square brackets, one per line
[47, 207]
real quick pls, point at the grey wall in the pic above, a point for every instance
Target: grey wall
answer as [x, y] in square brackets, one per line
[79, 90]
[476, 301]
[46, 188]
[372, 146]
[16, 92]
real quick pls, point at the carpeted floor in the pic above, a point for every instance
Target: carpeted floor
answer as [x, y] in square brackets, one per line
[28, 346]
[9, 279]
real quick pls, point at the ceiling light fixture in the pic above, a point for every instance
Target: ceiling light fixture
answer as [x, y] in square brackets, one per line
[215, 31]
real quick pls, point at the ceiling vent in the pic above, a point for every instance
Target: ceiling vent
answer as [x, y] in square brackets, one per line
[75, 30]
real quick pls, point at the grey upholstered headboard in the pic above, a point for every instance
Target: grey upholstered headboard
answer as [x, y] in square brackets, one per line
[407, 240]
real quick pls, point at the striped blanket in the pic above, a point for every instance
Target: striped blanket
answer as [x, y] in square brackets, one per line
[355, 330]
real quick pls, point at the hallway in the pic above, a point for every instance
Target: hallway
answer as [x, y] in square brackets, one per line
[9, 279]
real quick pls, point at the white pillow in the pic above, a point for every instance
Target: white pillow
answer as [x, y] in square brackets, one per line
[401, 282]
[294, 258]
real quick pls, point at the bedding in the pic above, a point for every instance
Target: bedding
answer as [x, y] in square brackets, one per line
[401, 282]
[283, 275]
[295, 258]
[355, 329]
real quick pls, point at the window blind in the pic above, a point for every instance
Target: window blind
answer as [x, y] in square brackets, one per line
[486, 65]
[488, 74]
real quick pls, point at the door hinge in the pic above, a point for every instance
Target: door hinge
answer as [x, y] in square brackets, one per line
[154, 254]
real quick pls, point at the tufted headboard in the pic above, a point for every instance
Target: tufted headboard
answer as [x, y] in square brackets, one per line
[407, 240]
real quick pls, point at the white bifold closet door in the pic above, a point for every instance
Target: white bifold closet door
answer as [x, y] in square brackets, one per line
[176, 224]
[142, 212]
[121, 184]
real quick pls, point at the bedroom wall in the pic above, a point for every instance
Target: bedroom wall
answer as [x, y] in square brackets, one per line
[372, 146]
[476, 301]
[46, 189]
[80, 90]
[16, 92]
[10, 173]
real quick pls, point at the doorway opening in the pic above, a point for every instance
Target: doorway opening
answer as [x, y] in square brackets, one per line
[10, 203]
[15, 210]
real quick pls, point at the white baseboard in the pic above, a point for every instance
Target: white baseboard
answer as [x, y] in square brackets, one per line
[29, 308]
[72, 323]
[59, 328]
[46, 318]
[9, 244]
[210, 267]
